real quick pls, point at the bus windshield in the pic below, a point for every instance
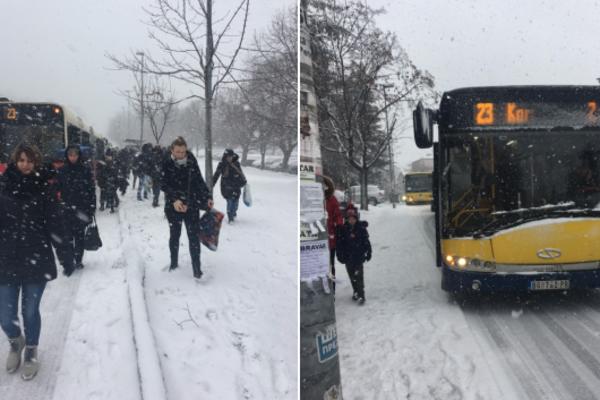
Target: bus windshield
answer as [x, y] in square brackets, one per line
[48, 138]
[418, 183]
[488, 175]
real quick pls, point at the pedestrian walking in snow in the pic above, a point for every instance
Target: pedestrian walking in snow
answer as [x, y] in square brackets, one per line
[334, 220]
[145, 161]
[30, 217]
[232, 181]
[77, 189]
[108, 181]
[354, 249]
[156, 172]
[186, 194]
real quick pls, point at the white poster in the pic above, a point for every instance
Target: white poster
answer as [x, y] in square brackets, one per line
[314, 260]
[312, 202]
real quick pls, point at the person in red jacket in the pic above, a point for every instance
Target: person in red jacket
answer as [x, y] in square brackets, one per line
[334, 219]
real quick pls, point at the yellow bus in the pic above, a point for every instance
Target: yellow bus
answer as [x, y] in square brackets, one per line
[418, 188]
[517, 176]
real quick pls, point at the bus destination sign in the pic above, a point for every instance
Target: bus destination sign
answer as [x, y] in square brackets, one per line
[536, 114]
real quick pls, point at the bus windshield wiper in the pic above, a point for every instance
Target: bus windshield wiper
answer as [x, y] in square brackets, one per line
[509, 219]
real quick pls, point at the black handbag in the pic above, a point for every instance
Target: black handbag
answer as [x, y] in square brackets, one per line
[92, 239]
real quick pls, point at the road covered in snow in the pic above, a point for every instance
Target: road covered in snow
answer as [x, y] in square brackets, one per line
[127, 328]
[413, 340]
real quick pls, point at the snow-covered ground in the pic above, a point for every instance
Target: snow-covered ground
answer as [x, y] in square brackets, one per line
[126, 328]
[412, 340]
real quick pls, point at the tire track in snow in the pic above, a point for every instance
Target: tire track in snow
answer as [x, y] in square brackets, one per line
[152, 382]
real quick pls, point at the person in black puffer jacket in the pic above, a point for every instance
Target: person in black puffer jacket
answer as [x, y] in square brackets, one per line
[186, 194]
[30, 222]
[77, 188]
[232, 181]
[353, 248]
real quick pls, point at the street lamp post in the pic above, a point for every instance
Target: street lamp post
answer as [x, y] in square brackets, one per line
[141, 54]
[390, 150]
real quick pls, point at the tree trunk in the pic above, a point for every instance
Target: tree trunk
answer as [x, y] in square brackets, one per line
[286, 158]
[208, 173]
[364, 192]
[245, 150]
[263, 151]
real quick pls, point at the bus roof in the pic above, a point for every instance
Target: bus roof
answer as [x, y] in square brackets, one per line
[545, 92]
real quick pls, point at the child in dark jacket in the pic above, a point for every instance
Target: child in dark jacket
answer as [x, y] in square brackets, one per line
[353, 248]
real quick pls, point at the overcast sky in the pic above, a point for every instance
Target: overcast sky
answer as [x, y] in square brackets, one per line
[55, 50]
[492, 42]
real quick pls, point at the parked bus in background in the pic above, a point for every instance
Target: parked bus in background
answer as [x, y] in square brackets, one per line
[517, 187]
[49, 126]
[418, 188]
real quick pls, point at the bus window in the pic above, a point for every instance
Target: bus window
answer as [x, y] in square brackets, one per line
[74, 135]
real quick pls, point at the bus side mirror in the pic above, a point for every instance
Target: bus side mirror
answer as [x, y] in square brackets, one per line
[423, 119]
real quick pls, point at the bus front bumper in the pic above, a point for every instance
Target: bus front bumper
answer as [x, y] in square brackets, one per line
[461, 281]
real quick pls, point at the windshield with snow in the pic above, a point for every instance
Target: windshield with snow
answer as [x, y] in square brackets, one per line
[418, 183]
[516, 176]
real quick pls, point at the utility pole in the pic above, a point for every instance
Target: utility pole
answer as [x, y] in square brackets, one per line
[319, 361]
[141, 54]
[390, 149]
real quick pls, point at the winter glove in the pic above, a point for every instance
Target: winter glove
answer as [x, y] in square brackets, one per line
[368, 256]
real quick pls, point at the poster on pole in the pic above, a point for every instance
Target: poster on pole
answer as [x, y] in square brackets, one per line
[314, 260]
[312, 202]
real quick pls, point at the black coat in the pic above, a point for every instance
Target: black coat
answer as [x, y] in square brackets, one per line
[30, 217]
[352, 244]
[108, 175]
[232, 178]
[184, 183]
[77, 188]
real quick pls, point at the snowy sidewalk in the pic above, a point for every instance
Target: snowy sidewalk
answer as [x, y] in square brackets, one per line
[232, 335]
[408, 340]
[56, 309]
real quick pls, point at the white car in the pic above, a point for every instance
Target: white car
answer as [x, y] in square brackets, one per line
[374, 193]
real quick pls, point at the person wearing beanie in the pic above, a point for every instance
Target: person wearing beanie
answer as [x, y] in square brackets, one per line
[353, 248]
[77, 191]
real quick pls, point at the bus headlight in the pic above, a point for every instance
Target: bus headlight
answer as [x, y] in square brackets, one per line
[469, 264]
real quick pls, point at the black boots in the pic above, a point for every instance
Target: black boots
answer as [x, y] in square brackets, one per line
[197, 271]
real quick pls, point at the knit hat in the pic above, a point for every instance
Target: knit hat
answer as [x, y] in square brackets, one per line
[352, 211]
[228, 152]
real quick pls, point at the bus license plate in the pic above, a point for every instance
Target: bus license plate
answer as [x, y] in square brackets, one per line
[549, 285]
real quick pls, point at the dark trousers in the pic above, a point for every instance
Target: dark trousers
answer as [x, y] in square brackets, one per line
[155, 191]
[77, 222]
[192, 224]
[355, 272]
[232, 207]
[31, 296]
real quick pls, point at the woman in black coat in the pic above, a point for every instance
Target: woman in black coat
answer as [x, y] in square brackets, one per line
[232, 181]
[77, 188]
[30, 221]
[186, 194]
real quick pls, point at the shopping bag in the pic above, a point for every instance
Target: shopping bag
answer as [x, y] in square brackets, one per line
[92, 241]
[247, 195]
[210, 226]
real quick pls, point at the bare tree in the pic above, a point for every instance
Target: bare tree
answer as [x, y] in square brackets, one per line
[159, 105]
[356, 62]
[194, 49]
[275, 80]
